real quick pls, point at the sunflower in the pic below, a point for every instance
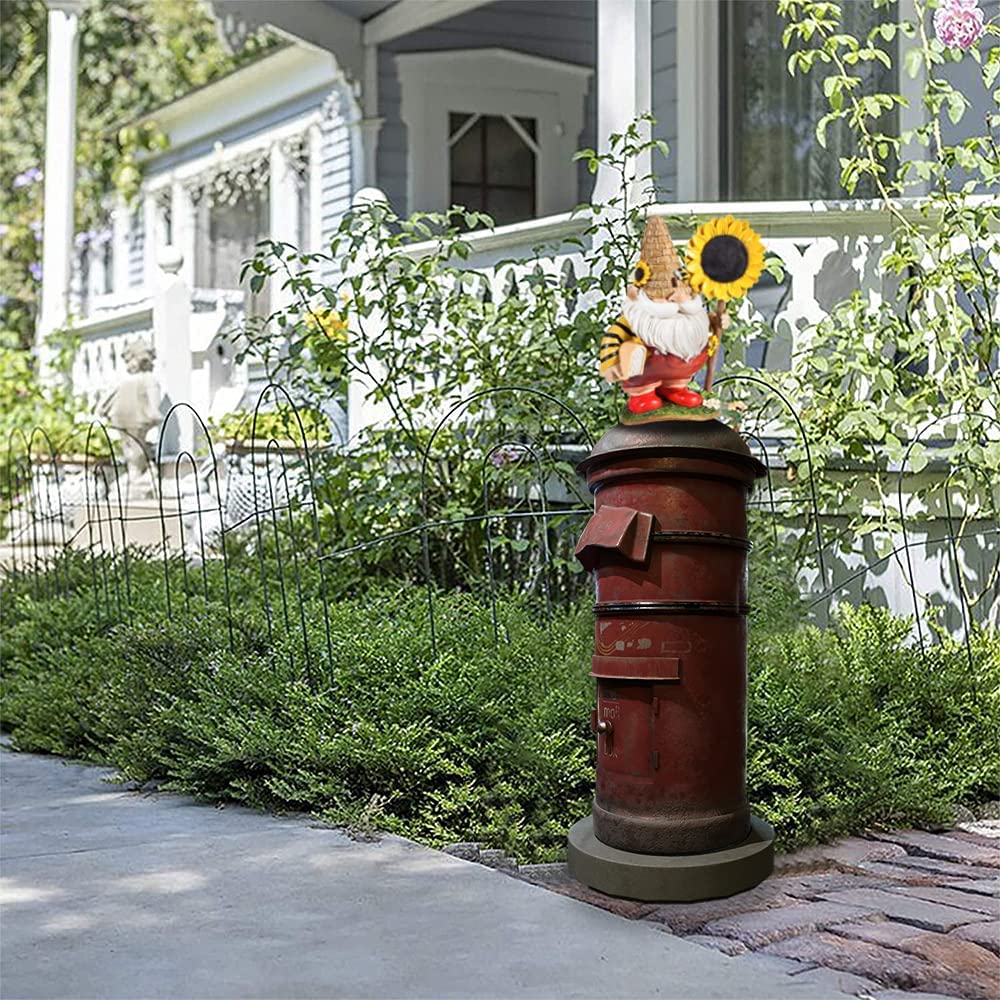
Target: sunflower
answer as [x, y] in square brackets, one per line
[724, 259]
[713, 345]
[640, 273]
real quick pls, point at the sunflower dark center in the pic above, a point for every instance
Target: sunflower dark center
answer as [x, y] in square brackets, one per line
[724, 258]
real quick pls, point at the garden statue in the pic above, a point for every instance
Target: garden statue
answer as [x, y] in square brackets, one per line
[132, 408]
[666, 334]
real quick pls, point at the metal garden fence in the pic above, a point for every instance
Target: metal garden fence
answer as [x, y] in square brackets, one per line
[222, 521]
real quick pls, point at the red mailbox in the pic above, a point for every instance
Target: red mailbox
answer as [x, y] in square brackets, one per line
[668, 544]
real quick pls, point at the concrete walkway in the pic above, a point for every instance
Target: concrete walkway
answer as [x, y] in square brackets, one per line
[109, 893]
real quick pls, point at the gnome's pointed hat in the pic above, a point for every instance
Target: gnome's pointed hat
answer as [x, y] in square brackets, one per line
[659, 254]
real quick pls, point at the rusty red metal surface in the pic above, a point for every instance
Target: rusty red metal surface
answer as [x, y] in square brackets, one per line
[670, 635]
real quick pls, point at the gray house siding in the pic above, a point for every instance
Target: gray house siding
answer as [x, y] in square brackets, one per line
[664, 91]
[966, 76]
[565, 30]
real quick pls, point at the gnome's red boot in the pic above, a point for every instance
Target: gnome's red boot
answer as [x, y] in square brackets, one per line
[644, 402]
[681, 397]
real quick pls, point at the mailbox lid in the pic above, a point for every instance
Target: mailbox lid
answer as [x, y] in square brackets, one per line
[620, 532]
[672, 438]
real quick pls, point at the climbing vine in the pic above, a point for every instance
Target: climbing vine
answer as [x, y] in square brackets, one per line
[135, 55]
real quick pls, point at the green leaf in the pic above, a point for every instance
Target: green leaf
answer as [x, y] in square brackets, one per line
[918, 458]
[821, 127]
[991, 68]
[956, 106]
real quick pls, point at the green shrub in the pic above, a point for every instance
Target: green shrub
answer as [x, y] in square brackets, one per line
[848, 728]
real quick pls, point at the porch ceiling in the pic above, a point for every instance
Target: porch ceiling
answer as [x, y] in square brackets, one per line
[343, 27]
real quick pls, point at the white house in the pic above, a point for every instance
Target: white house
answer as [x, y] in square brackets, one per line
[435, 102]
[268, 150]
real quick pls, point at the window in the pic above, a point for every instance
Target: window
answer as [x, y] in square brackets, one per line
[769, 146]
[105, 256]
[492, 165]
[227, 235]
[492, 129]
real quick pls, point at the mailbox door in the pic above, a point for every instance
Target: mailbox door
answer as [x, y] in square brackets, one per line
[626, 750]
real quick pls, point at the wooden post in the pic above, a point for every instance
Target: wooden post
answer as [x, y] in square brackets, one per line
[172, 341]
[715, 326]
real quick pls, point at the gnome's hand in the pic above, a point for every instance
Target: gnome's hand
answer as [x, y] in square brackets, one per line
[719, 319]
[631, 359]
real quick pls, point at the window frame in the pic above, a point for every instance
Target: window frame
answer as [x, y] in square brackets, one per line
[522, 134]
[703, 102]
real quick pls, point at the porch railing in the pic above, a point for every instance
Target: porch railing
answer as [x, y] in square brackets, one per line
[186, 326]
[829, 249]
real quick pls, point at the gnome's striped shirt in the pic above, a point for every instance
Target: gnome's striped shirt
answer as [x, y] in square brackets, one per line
[617, 334]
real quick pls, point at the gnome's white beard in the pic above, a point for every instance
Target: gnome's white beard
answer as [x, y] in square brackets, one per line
[668, 327]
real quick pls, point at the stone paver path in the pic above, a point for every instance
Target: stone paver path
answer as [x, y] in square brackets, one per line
[906, 914]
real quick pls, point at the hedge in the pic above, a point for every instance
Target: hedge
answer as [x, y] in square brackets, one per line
[849, 728]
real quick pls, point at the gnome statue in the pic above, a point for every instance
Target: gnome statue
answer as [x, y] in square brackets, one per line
[666, 333]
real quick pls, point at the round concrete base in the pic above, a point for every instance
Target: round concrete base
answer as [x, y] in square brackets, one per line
[666, 878]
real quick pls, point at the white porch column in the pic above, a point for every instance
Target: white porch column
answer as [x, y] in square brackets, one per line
[60, 163]
[913, 114]
[283, 222]
[362, 410]
[121, 226]
[315, 189]
[624, 78]
[371, 123]
[698, 120]
[153, 240]
[185, 228]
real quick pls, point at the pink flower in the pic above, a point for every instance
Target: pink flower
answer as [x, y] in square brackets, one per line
[958, 23]
[507, 454]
